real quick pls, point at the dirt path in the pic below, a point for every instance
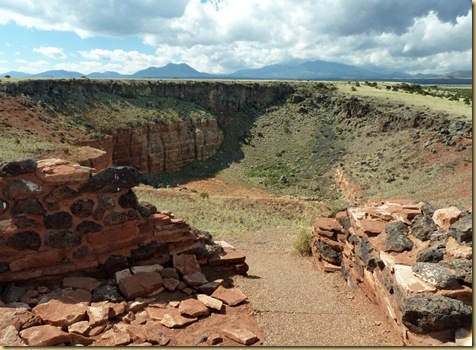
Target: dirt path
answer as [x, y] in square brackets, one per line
[297, 305]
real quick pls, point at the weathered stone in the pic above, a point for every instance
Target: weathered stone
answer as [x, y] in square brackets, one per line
[210, 287]
[462, 268]
[148, 250]
[57, 313]
[230, 296]
[116, 218]
[186, 263]
[98, 315]
[60, 171]
[371, 227]
[194, 279]
[21, 188]
[424, 313]
[20, 318]
[233, 257]
[439, 239]
[155, 333]
[81, 252]
[62, 239]
[171, 284]
[462, 230]
[17, 167]
[446, 216]
[365, 252]
[119, 275]
[87, 283]
[60, 193]
[61, 220]
[25, 222]
[430, 254]
[113, 179]
[409, 283]
[45, 335]
[128, 200]
[396, 239]
[28, 206]
[107, 293]
[210, 302]
[81, 327]
[214, 339]
[88, 227]
[193, 308]
[434, 274]
[458, 251]
[9, 336]
[140, 284]
[327, 253]
[24, 240]
[68, 296]
[7, 226]
[13, 293]
[241, 336]
[82, 207]
[173, 319]
[422, 227]
[146, 209]
[170, 272]
[147, 268]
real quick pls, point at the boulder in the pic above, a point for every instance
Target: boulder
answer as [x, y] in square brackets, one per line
[434, 274]
[446, 216]
[422, 227]
[396, 239]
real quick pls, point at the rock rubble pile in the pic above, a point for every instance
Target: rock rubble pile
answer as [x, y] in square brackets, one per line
[413, 260]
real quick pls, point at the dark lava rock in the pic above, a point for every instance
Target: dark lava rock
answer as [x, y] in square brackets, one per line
[82, 207]
[462, 230]
[113, 179]
[146, 209]
[3, 206]
[170, 272]
[113, 264]
[396, 240]
[148, 250]
[431, 255]
[107, 293]
[366, 253]
[128, 200]
[61, 220]
[14, 168]
[81, 252]
[13, 293]
[28, 206]
[462, 268]
[59, 194]
[18, 188]
[25, 222]
[62, 239]
[423, 226]
[106, 202]
[327, 253]
[25, 240]
[428, 313]
[434, 274]
[88, 226]
[427, 210]
[116, 218]
[4, 266]
[439, 239]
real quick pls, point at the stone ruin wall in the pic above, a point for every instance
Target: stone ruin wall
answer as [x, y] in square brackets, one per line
[415, 262]
[57, 217]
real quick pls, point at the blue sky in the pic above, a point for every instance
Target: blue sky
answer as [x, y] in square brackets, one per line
[222, 36]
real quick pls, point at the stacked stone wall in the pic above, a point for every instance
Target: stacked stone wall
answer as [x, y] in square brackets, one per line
[412, 260]
[57, 217]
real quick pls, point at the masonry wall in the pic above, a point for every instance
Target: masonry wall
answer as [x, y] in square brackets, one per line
[57, 217]
[412, 260]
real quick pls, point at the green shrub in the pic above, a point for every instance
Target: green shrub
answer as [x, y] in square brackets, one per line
[204, 195]
[302, 241]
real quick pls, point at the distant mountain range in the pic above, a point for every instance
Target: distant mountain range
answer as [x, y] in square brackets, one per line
[310, 70]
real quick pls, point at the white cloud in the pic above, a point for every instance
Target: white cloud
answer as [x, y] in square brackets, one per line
[51, 52]
[32, 66]
[220, 36]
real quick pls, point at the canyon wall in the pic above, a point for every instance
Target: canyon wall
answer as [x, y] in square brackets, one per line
[412, 260]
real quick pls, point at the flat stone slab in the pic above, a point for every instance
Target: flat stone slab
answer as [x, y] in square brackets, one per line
[231, 296]
[410, 283]
[173, 319]
[141, 284]
[59, 314]
[241, 336]
[45, 335]
[87, 283]
[193, 308]
[231, 257]
[210, 302]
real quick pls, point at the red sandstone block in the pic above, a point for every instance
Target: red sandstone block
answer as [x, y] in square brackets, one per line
[113, 235]
[328, 224]
[159, 219]
[174, 236]
[341, 214]
[37, 259]
[130, 243]
[180, 247]
[372, 227]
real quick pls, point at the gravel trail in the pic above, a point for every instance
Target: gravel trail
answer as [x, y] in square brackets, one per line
[298, 305]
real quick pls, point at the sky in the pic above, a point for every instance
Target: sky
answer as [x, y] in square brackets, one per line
[223, 36]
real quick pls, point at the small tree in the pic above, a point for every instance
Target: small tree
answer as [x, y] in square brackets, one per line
[7, 76]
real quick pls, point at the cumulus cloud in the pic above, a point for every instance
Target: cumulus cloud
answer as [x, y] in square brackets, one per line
[221, 36]
[51, 52]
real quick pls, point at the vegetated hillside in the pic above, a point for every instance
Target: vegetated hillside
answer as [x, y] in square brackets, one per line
[293, 138]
